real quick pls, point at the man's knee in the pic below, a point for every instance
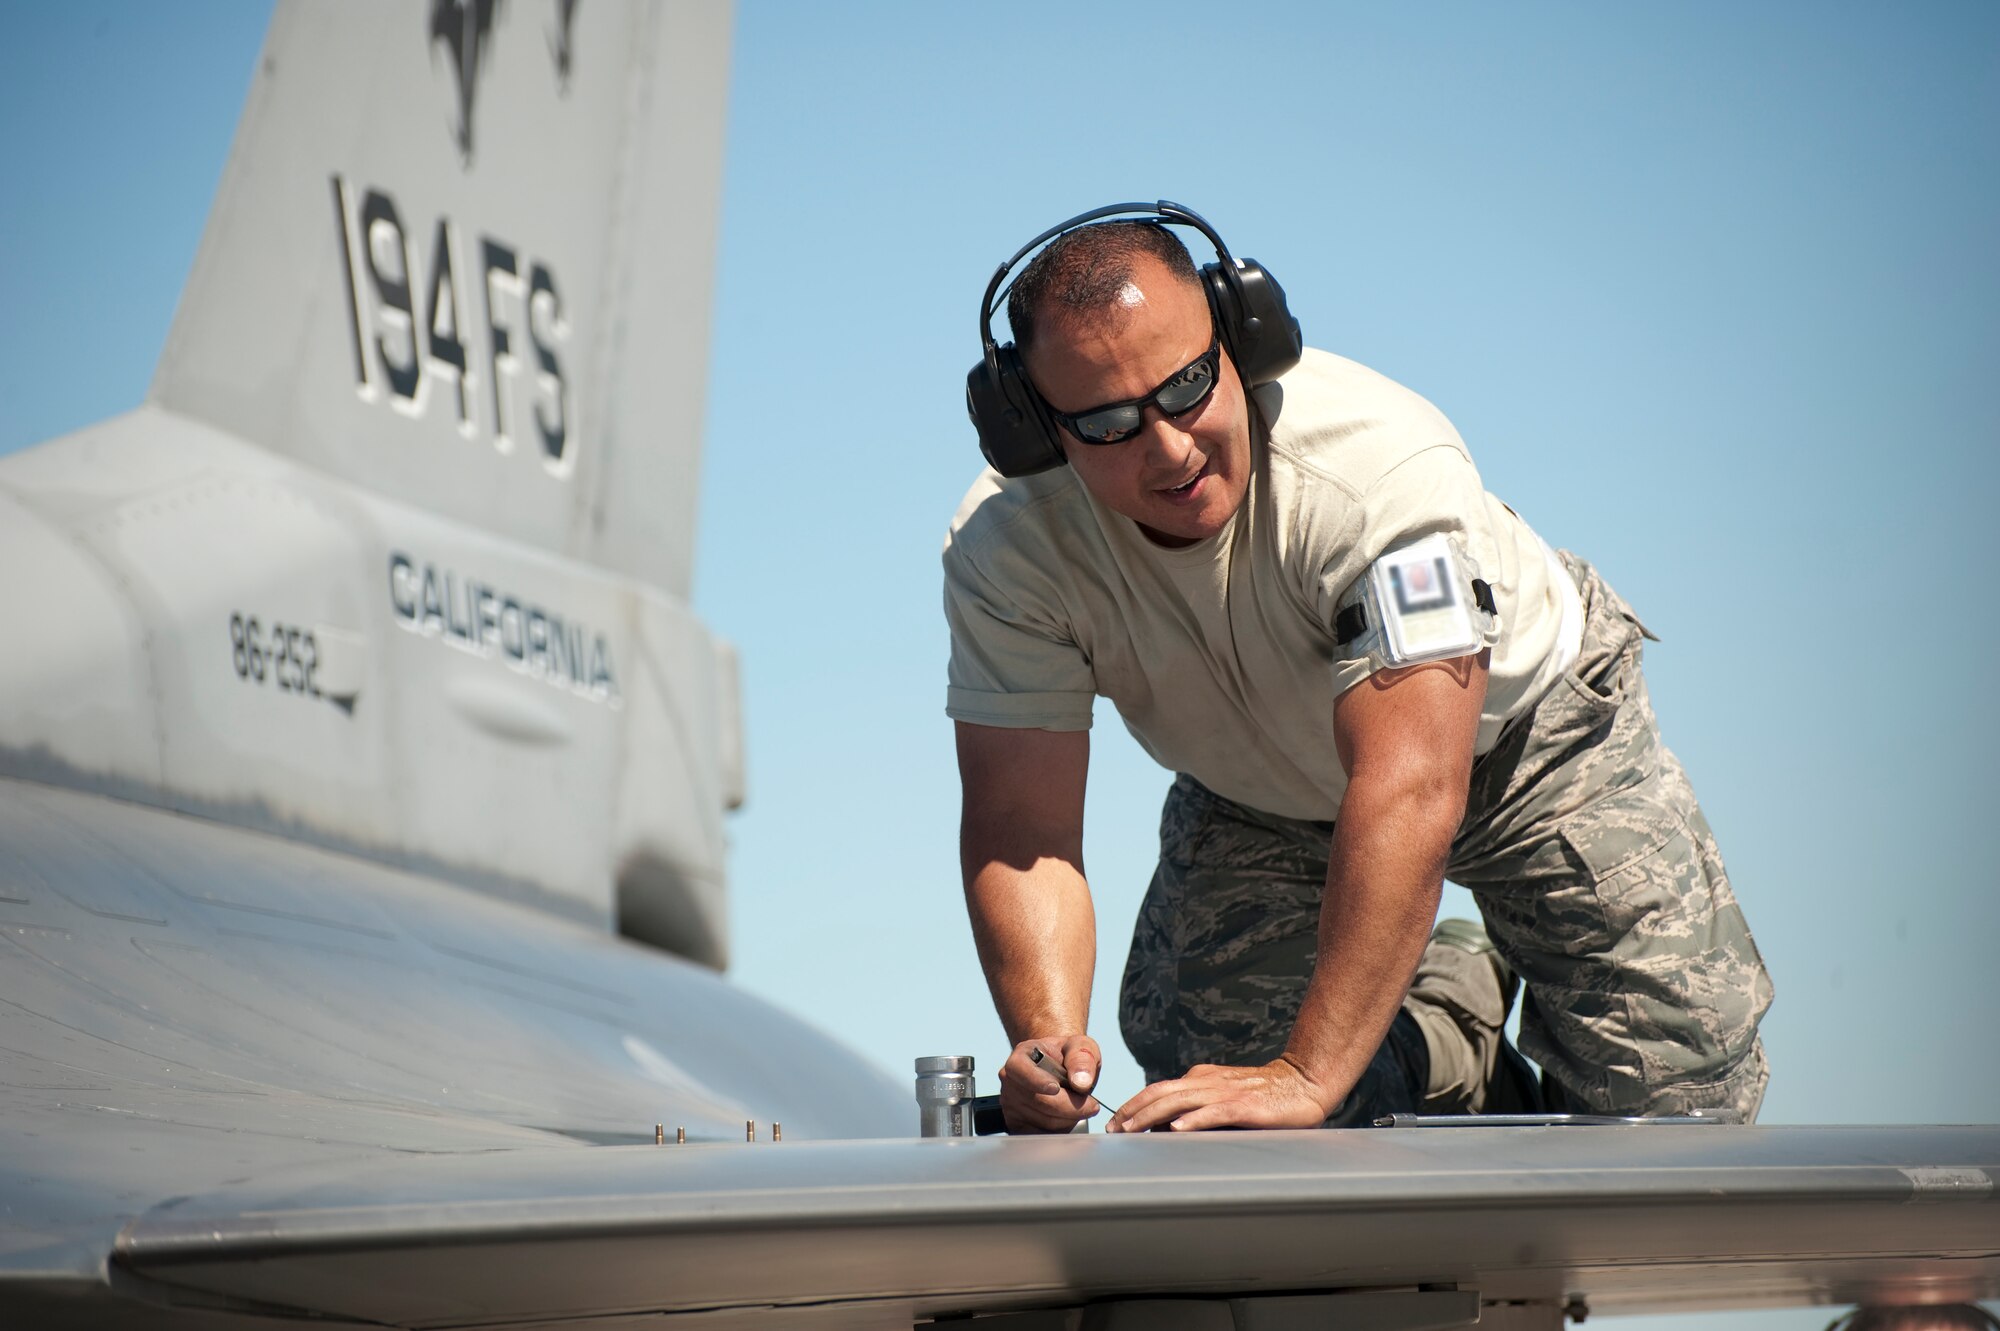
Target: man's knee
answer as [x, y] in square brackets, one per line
[1646, 986]
[1736, 1093]
[1460, 999]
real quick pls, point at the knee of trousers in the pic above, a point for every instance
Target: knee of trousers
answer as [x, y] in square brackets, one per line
[1737, 1093]
[1458, 1002]
[1644, 980]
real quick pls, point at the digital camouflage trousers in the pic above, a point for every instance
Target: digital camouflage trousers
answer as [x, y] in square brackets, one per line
[1591, 863]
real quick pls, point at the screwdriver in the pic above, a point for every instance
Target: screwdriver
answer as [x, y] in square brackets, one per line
[1048, 1063]
[987, 1120]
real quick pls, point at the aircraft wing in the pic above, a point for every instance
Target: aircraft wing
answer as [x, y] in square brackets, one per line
[1384, 1228]
[246, 1078]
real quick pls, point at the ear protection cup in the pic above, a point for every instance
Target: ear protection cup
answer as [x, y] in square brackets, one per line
[1017, 434]
[1256, 325]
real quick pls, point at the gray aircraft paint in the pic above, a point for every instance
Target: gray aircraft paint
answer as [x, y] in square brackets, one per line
[338, 1028]
[395, 557]
[879, 1233]
[188, 1003]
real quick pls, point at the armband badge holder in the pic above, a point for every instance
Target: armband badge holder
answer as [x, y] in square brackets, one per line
[1422, 602]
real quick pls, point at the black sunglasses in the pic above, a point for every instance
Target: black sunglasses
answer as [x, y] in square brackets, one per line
[1183, 391]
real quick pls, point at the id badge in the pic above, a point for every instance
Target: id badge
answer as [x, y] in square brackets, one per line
[1421, 597]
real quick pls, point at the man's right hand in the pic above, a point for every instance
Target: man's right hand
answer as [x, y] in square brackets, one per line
[1032, 1099]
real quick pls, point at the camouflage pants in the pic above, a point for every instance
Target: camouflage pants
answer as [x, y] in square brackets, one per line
[1594, 869]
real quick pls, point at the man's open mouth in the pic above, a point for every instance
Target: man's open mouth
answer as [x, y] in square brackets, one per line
[1185, 488]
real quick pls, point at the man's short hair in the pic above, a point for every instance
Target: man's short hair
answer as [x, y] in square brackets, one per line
[1086, 269]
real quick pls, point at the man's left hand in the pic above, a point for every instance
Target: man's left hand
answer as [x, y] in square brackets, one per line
[1277, 1095]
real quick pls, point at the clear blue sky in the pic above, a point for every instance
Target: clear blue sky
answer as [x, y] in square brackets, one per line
[1711, 290]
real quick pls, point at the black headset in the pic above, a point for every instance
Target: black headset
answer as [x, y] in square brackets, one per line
[1016, 432]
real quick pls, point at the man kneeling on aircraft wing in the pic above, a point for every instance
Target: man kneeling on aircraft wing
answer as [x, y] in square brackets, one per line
[1368, 674]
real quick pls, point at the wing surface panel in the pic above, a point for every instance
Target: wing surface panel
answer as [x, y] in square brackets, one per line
[185, 1006]
[1633, 1219]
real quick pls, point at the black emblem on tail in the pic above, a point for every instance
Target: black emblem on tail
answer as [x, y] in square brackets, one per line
[465, 27]
[559, 44]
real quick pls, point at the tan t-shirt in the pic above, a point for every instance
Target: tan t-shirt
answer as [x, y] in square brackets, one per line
[1221, 656]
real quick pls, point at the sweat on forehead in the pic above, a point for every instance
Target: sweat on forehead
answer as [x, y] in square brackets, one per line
[1091, 269]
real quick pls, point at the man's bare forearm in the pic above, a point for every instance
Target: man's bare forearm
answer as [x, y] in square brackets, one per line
[1382, 887]
[1020, 845]
[1037, 938]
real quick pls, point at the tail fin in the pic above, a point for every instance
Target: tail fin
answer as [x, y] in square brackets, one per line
[464, 258]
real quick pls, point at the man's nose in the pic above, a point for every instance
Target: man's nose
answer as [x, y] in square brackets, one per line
[1165, 441]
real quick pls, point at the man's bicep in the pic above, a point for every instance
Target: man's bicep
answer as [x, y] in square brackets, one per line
[1412, 721]
[1022, 789]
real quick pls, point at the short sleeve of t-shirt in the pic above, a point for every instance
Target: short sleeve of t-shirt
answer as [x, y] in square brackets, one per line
[1012, 664]
[1436, 490]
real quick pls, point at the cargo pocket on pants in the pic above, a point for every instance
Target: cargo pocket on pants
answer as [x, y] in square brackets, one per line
[1738, 1093]
[1656, 962]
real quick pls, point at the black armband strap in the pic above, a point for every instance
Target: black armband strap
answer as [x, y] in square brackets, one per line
[1350, 623]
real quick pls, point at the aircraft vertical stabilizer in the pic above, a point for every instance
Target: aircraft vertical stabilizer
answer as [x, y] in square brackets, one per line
[464, 257]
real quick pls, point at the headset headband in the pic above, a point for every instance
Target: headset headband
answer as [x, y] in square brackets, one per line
[1018, 435]
[1161, 212]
